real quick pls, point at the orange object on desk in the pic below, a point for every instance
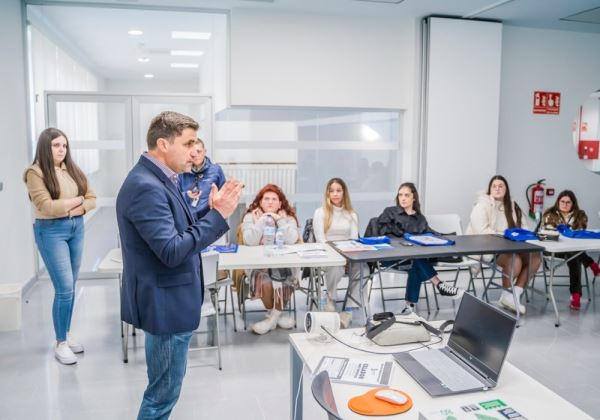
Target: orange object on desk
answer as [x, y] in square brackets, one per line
[367, 404]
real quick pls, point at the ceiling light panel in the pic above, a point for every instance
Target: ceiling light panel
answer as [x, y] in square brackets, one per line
[588, 16]
[135, 32]
[187, 53]
[143, 59]
[204, 36]
[184, 65]
[149, 76]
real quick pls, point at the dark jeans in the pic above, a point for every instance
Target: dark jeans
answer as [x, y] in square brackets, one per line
[575, 268]
[421, 270]
[166, 361]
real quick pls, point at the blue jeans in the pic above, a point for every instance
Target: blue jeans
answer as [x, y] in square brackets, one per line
[166, 361]
[421, 271]
[60, 243]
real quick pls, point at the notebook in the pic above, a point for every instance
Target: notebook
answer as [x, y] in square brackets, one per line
[472, 359]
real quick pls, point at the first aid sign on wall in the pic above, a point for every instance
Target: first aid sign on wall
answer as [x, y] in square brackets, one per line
[546, 103]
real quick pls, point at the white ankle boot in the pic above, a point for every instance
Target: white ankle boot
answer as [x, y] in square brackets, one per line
[330, 306]
[285, 322]
[267, 324]
[64, 354]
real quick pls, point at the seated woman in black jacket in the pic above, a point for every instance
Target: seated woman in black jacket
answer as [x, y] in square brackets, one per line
[406, 217]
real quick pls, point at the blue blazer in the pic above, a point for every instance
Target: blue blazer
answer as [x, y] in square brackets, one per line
[162, 272]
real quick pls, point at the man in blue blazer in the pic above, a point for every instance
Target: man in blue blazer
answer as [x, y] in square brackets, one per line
[162, 284]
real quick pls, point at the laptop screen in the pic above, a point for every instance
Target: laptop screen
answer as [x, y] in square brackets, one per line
[482, 335]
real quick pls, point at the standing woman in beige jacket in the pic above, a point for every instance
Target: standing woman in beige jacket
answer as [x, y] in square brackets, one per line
[60, 195]
[494, 212]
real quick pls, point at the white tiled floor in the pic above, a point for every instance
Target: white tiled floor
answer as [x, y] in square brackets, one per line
[254, 382]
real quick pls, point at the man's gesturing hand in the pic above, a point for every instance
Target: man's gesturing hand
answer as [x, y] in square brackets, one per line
[227, 198]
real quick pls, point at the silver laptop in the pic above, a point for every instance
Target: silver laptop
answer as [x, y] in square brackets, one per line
[474, 356]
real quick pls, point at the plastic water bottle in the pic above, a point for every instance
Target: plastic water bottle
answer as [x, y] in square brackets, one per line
[279, 242]
[269, 236]
[323, 302]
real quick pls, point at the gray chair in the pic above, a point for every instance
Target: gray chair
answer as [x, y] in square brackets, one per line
[323, 394]
[448, 224]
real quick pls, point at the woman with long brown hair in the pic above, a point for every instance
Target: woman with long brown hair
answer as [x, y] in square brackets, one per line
[406, 217]
[60, 195]
[270, 212]
[566, 211]
[494, 212]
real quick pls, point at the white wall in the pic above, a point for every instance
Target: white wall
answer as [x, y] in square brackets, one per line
[540, 146]
[300, 59]
[17, 256]
[461, 135]
[283, 58]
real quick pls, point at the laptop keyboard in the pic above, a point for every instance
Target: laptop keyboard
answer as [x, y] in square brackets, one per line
[449, 373]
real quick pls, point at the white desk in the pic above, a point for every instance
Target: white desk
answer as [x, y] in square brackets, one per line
[564, 244]
[529, 397]
[253, 257]
[113, 263]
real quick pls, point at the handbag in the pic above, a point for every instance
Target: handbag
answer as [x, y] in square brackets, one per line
[280, 274]
[387, 329]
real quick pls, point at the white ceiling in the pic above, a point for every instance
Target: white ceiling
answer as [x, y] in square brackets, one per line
[99, 38]
[100, 34]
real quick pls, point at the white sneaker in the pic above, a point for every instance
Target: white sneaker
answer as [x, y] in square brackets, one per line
[409, 309]
[330, 306]
[506, 301]
[64, 354]
[267, 324]
[74, 345]
[286, 322]
[208, 309]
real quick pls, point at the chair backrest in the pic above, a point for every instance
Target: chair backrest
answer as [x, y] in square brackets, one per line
[308, 235]
[323, 393]
[445, 223]
[234, 221]
[372, 228]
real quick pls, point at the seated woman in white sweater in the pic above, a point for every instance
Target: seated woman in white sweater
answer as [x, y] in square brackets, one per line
[336, 220]
[270, 206]
[494, 212]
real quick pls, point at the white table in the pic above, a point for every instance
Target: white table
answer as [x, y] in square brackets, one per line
[564, 244]
[529, 397]
[253, 257]
[112, 263]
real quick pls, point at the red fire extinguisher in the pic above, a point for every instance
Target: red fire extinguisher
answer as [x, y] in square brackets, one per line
[535, 198]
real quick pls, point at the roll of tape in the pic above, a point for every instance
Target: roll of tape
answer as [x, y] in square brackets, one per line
[315, 320]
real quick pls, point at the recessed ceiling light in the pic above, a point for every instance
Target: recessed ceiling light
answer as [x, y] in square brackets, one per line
[190, 35]
[187, 53]
[135, 32]
[149, 76]
[143, 59]
[184, 65]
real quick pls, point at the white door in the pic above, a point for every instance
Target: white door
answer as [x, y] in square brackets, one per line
[107, 134]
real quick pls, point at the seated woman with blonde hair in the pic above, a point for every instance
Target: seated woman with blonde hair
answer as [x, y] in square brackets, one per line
[336, 220]
[269, 212]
